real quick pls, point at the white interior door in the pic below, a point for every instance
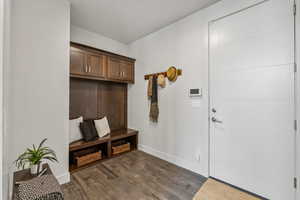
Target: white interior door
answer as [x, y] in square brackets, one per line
[252, 99]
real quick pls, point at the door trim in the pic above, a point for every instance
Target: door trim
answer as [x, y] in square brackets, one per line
[238, 11]
[295, 96]
[296, 179]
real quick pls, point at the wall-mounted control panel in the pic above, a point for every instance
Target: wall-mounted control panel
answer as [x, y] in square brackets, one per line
[195, 92]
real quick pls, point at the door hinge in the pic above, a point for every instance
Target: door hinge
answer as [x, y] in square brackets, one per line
[295, 125]
[295, 9]
[295, 182]
[295, 67]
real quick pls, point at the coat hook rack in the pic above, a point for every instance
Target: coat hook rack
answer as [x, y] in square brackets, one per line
[178, 73]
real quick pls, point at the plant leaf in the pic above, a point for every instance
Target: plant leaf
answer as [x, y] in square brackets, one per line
[35, 155]
[41, 144]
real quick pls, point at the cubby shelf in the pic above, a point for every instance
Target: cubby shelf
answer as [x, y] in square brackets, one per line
[105, 144]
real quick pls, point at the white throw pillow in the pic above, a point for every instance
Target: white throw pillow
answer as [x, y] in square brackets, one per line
[74, 130]
[102, 127]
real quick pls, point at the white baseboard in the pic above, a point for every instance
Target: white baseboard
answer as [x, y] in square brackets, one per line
[192, 166]
[64, 178]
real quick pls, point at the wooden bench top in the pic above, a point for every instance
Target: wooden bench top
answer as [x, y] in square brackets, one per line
[114, 135]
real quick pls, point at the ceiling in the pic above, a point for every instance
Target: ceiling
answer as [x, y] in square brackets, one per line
[129, 20]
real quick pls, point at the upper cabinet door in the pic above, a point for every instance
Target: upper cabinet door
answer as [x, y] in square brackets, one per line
[77, 61]
[96, 65]
[90, 63]
[127, 69]
[113, 68]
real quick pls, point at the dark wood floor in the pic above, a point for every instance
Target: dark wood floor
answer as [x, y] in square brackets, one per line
[133, 176]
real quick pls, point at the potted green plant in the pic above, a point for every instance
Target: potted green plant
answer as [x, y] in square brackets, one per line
[33, 157]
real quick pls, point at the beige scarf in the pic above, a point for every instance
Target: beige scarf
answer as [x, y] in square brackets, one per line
[149, 92]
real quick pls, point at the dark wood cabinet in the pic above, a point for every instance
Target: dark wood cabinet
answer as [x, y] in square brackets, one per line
[113, 69]
[120, 70]
[87, 64]
[96, 65]
[77, 62]
[90, 63]
[98, 88]
[126, 71]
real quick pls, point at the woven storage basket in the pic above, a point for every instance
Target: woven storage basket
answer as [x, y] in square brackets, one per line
[89, 158]
[121, 148]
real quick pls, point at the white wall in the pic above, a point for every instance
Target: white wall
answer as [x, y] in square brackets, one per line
[95, 40]
[182, 131]
[6, 61]
[38, 83]
[298, 95]
[1, 92]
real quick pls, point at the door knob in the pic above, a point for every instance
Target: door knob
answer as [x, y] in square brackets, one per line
[215, 120]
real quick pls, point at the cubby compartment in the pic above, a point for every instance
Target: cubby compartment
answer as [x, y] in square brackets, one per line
[123, 145]
[120, 147]
[88, 158]
[84, 154]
